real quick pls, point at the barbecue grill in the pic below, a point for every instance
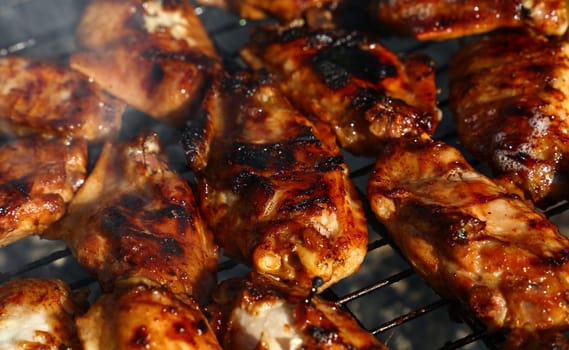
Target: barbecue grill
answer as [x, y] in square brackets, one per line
[386, 296]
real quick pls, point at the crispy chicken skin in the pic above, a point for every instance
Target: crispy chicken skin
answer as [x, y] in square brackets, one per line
[285, 11]
[447, 19]
[520, 340]
[135, 217]
[142, 316]
[38, 314]
[509, 95]
[171, 24]
[365, 92]
[257, 313]
[273, 185]
[153, 54]
[38, 177]
[39, 97]
[472, 240]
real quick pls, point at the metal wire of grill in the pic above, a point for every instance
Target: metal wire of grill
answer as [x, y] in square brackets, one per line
[386, 296]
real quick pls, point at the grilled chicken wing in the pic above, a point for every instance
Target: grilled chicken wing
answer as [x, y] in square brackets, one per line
[38, 177]
[38, 97]
[364, 91]
[510, 101]
[447, 19]
[153, 54]
[274, 186]
[38, 314]
[135, 217]
[472, 240]
[256, 313]
[141, 316]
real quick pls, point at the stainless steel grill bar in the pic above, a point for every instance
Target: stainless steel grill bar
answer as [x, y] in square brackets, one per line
[409, 316]
[48, 259]
[388, 281]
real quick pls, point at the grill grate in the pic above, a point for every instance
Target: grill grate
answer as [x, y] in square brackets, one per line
[386, 296]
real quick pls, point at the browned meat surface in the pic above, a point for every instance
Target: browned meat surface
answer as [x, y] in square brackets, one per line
[137, 316]
[37, 97]
[171, 24]
[510, 101]
[447, 19]
[256, 313]
[521, 340]
[274, 186]
[38, 314]
[470, 239]
[285, 11]
[365, 92]
[135, 217]
[38, 177]
[153, 54]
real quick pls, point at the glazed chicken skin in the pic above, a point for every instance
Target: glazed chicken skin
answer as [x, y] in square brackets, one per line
[285, 11]
[153, 54]
[365, 92]
[171, 24]
[471, 239]
[38, 178]
[38, 313]
[42, 98]
[448, 19]
[273, 185]
[134, 217]
[510, 101]
[257, 313]
[553, 340]
[145, 316]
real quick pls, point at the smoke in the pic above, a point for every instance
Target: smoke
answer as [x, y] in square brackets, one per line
[39, 28]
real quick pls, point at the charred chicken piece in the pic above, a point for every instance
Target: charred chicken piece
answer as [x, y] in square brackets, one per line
[135, 217]
[255, 312]
[39, 314]
[38, 178]
[365, 92]
[142, 316]
[273, 185]
[472, 240]
[447, 19]
[153, 54]
[510, 101]
[39, 97]
[315, 12]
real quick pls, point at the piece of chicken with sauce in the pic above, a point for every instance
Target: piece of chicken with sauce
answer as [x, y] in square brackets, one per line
[255, 312]
[38, 178]
[136, 217]
[273, 185]
[140, 315]
[315, 12]
[43, 98]
[171, 24]
[153, 54]
[448, 19]
[471, 239]
[38, 313]
[509, 95]
[364, 91]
